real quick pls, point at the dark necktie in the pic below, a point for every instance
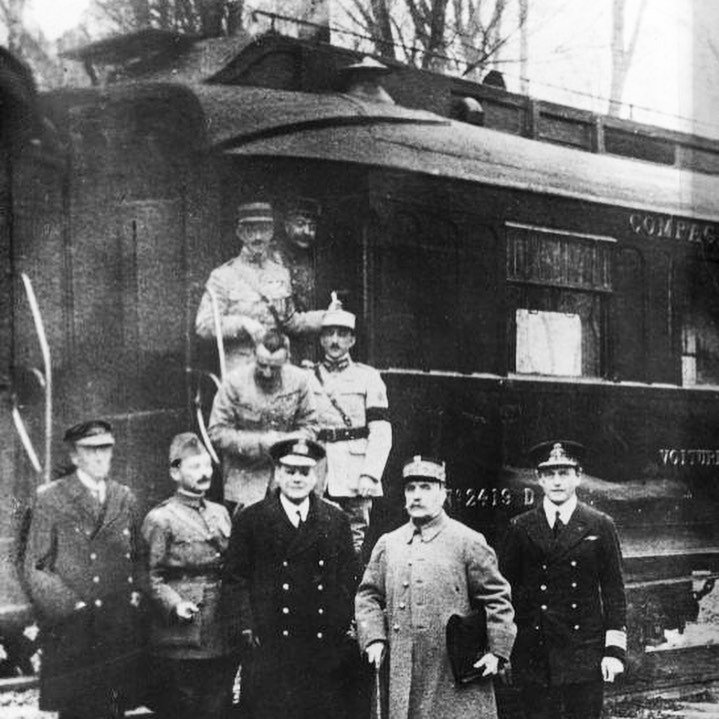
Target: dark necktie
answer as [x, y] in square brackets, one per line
[299, 519]
[558, 526]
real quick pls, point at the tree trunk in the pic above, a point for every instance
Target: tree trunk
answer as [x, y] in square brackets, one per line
[383, 40]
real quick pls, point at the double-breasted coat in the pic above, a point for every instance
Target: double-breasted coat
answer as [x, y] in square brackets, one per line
[261, 291]
[246, 420]
[567, 593]
[80, 552]
[186, 539]
[293, 587]
[358, 390]
[415, 580]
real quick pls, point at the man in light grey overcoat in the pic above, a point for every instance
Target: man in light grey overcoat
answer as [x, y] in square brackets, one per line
[418, 576]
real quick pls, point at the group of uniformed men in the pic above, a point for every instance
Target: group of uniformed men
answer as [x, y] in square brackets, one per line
[274, 583]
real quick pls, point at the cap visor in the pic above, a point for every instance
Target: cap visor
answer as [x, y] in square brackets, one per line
[295, 460]
[98, 440]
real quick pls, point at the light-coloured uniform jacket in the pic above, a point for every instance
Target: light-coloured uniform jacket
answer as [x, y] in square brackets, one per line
[413, 583]
[245, 289]
[361, 394]
[246, 421]
[186, 539]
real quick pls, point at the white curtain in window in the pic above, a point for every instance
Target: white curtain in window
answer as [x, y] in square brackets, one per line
[549, 343]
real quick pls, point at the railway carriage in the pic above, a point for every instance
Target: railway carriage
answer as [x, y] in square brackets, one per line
[520, 271]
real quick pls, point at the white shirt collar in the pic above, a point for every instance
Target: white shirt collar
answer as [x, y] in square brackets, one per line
[291, 509]
[97, 489]
[565, 510]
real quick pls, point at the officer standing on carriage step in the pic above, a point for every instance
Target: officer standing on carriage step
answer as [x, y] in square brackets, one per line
[253, 292]
[564, 564]
[83, 567]
[353, 417]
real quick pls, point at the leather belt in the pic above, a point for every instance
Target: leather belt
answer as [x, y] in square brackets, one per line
[342, 434]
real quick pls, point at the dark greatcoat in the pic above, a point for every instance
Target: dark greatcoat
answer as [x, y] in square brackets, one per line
[78, 551]
[294, 588]
[567, 593]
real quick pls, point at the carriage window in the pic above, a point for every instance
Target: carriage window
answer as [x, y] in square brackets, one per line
[558, 286]
[700, 324]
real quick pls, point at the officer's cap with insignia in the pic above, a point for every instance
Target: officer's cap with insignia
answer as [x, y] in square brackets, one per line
[557, 453]
[297, 452]
[304, 207]
[185, 444]
[336, 316]
[95, 433]
[424, 468]
[255, 212]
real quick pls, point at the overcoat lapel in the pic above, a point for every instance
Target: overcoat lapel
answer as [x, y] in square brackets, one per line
[573, 533]
[113, 506]
[82, 502]
[539, 531]
[311, 531]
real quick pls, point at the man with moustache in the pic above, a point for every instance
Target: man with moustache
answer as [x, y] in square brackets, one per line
[290, 577]
[565, 566]
[257, 406]
[418, 576]
[253, 291]
[186, 539]
[353, 416]
[83, 569]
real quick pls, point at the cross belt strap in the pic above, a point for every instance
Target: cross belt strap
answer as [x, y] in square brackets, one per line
[342, 434]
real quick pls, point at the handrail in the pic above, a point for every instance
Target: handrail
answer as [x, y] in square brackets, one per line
[197, 401]
[47, 366]
[218, 333]
[25, 437]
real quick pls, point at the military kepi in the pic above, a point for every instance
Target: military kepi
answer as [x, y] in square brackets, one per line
[336, 316]
[427, 468]
[95, 433]
[255, 212]
[557, 453]
[297, 452]
[185, 444]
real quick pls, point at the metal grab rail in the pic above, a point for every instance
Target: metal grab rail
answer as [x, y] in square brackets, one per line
[45, 379]
[25, 437]
[197, 402]
[217, 320]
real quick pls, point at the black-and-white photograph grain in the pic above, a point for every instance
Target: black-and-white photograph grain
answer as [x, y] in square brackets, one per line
[359, 359]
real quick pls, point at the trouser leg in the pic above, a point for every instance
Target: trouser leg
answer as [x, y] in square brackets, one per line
[357, 510]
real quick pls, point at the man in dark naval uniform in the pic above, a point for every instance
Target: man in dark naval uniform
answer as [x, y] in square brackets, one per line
[83, 570]
[564, 564]
[186, 536]
[290, 573]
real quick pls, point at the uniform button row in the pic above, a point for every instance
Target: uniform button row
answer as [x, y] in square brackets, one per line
[130, 580]
[96, 580]
[321, 563]
[544, 567]
[98, 602]
[285, 610]
[402, 605]
[285, 563]
[405, 584]
[320, 611]
[543, 587]
[396, 627]
[574, 605]
[574, 585]
[576, 627]
[319, 587]
[319, 635]
[93, 555]
[573, 562]
[286, 586]
[544, 607]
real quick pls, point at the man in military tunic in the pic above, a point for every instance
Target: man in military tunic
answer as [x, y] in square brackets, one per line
[354, 423]
[291, 576]
[257, 406]
[186, 537]
[253, 292]
[84, 570]
[565, 566]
